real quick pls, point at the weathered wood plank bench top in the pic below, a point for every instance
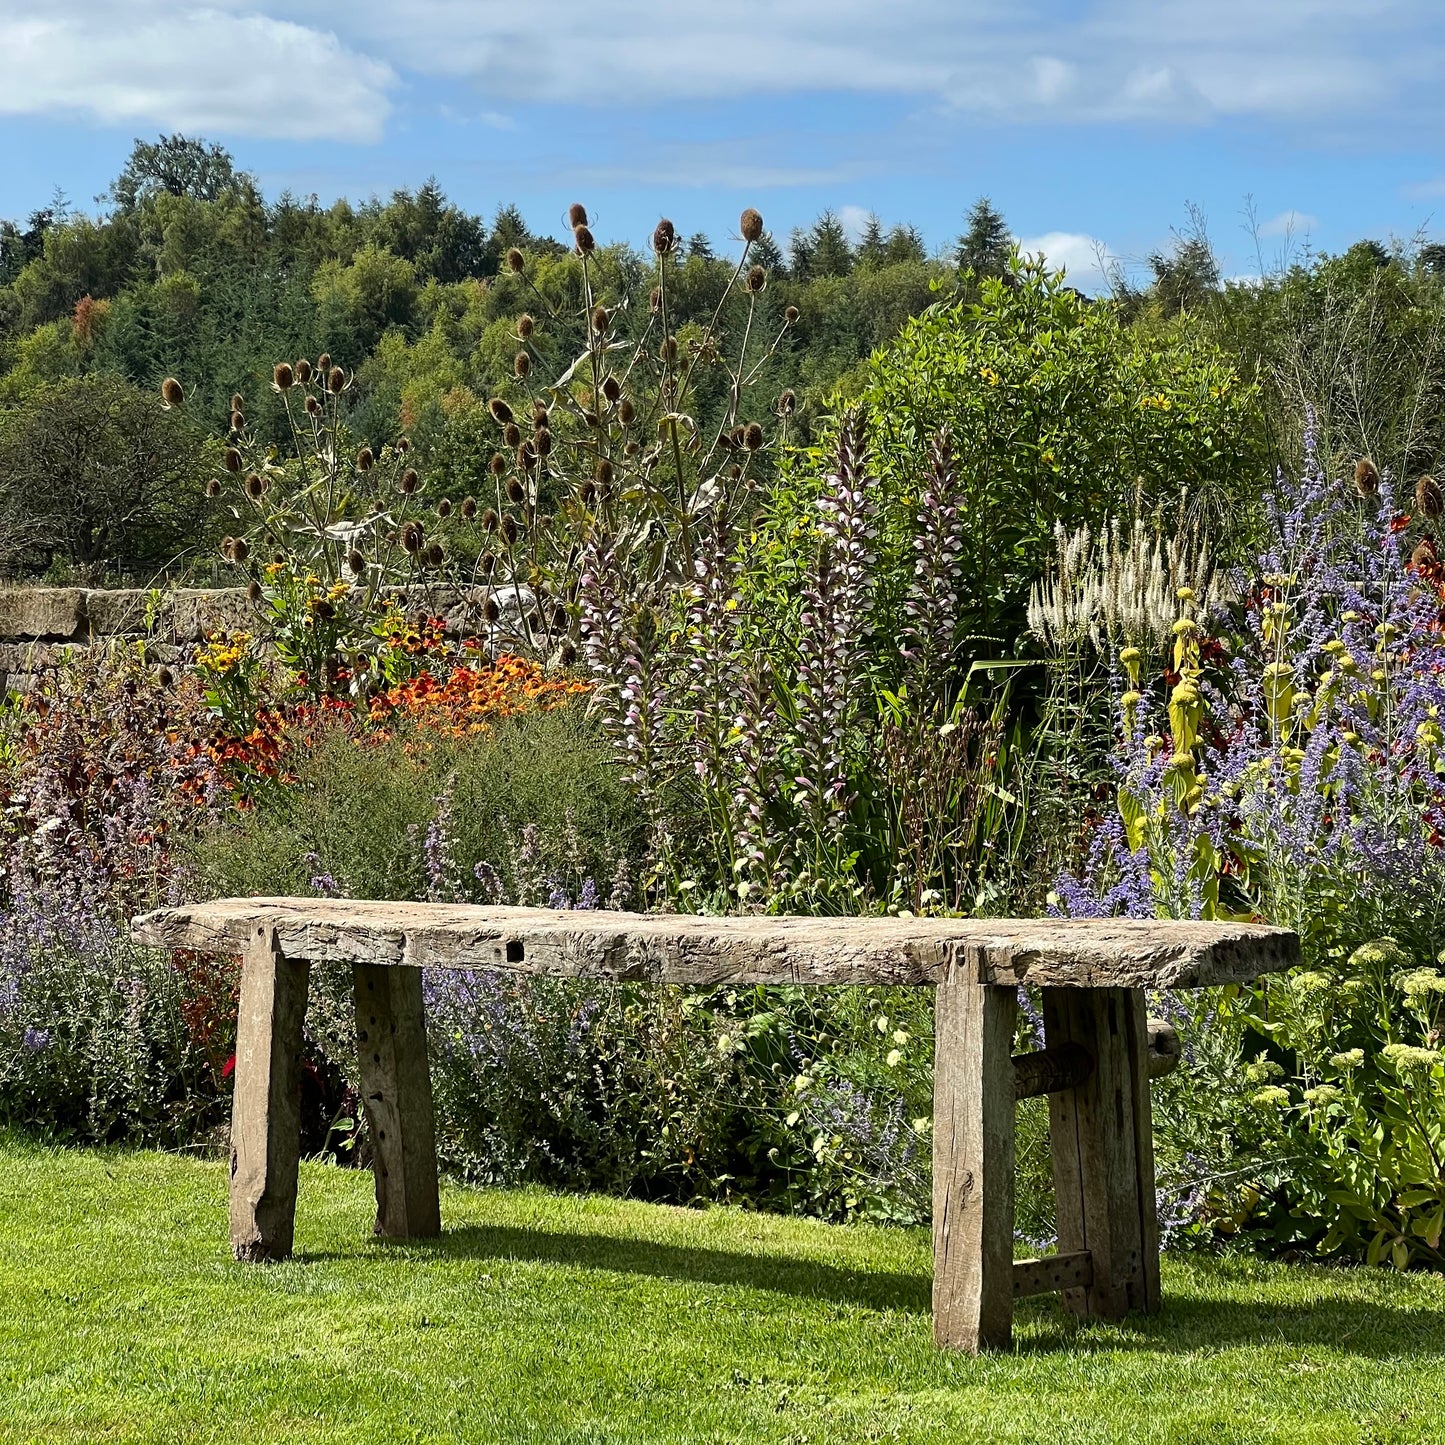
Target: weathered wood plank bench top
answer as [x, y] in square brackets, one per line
[1100, 1053]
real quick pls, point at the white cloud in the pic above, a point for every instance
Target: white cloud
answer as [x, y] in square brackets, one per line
[854, 219]
[215, 68]
[1289, 223]
[1084, 259]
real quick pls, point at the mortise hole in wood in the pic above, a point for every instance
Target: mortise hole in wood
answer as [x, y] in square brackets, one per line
[362, 1036]
[514, 950]
[376, 1058]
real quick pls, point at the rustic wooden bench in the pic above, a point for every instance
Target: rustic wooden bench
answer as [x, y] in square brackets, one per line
[1095, 1067]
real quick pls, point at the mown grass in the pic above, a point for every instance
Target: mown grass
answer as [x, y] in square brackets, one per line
[542, 1318]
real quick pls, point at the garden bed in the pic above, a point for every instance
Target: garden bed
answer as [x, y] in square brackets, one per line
[570, 1319]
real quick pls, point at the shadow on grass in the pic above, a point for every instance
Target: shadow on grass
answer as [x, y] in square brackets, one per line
[1350, 1324]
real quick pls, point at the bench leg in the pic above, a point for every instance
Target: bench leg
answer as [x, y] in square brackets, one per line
[1103, 1150]
[396, 1094]
[973, 1165]
[266, 1102]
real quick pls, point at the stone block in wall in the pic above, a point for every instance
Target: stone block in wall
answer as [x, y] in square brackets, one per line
[120, 612]
[198, 612]
[42, 612]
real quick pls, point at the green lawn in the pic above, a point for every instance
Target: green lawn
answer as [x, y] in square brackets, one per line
[554, 1319]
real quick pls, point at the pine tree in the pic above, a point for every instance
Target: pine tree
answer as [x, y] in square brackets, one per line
[985, 247]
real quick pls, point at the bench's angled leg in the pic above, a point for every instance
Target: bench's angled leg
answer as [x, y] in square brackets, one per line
[1103, 1150]
[973, 1165]
[266, 1103]
[396, 1094]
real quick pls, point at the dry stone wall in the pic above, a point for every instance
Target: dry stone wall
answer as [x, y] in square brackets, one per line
[41, 626]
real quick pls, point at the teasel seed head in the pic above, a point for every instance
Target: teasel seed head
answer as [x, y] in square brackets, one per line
[238, 402]
[664, 237]
[403, 445]
[583, 240]
[488, 563]
[283, 376]
[515, 260]
[490, 610]
[631, 447]
[436, 554]
[323, 363]
[626, 411]
[654, 299]
[238, 421]
[411, 539]
[335, 380]
[255, 487]
[753, 437]
[522, 364]
[239, 550]
[516, 492]
[526, 456]
[611, 388]
[543, 442]
[444, 508]
[734, 471]
[600, 320]
[490, 520]
[1425, 554]
[253, 590]
[469, 508]
[603, 473]
[587, 492]
[512, 434]
[757, 278]
[1367, 477]
[213, 488]
[364, 459]
[1429, 499]
[498, 464]
[525, 325]
[787, 403]
[410, 481]
[669, 349]
[312, 406]
[303, 371]
[355, 562]
[790, 315]
[171, 392]
[576, 215]
[540, 414]
[511, 529]
[501, 412]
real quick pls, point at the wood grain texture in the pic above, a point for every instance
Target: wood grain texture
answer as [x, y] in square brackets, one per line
[396, 1095]
[687, 949]
[1053, 1273]
[973, 1165]
[1103, 1152]
[266, 1104]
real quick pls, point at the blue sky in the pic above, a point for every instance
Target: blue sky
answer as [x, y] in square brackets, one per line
[1091, 124]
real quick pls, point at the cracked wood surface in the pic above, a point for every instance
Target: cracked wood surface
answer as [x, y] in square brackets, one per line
[689, 949]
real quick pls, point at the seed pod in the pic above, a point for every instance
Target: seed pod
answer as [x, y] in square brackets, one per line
[497, 465]
[1429, 499]
[213, 488]
[335, 380]
[626, 411]
[411, 538]
[1367, 477]
[611, 388]
[239, 550]
[253, 590]
[403, 445]
[490, 610]
[303, 371]
[171, 392]
[516, 492]
[488, 563]
[654, 300]
[324, 610]
[501, 412]
[521, 363]
[757, 278]
[255, 487]
[238, 421]
[489, 520]
[312, 406]
[526, 456]
[587, 492]
[584, 241]
[664, 237]
[787, 402]
[410, 481]
[238, 402]
[669, 349]
[543, 442]
[591, 420]
[469, 508]
[283, 376]
[232, 459]
[364, 459]
[525, 324]
[511, 530]
[735, 436]
[753, 437]
[323, 363]
[576, 215]
[750, 224]
[444, 508]
[539, 413]
[227, 543]
[631, 448]
[603, 473]
[600, 320]
[355, 562]
[734, 471]
[1424, 554]
[436, 554]
[515, 260]
[790, 315]
[512, 434]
